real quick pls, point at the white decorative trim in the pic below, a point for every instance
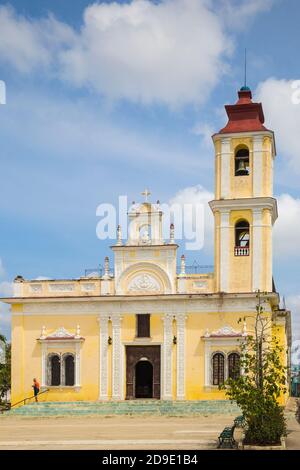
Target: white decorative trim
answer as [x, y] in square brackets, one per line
[77, 365]
[246, 203]
[257, 165]
[207, 364]
[58, 348]
[225, 330]
[36, 288]
[44, 364]
[117, 379]
[61, 332]
[224, 251]
[88, 287]
[213, 345]
[67, 287]
[17, 289]
[148, 268]
[180, 320]
[103, 357]
[225, 168]
[200, 284]
[201, 303]
[144, 283]
[167, 357]
[257, 257]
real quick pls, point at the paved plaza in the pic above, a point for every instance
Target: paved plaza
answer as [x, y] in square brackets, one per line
[121, 432]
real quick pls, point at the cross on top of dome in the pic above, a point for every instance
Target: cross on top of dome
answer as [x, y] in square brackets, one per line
[146, 193]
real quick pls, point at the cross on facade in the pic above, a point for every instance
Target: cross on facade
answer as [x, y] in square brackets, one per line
[146, 193]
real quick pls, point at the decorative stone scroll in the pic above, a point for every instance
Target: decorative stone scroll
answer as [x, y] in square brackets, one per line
[144, 283]
[66, 287]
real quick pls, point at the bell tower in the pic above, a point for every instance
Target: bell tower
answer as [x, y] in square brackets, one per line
[244, 208]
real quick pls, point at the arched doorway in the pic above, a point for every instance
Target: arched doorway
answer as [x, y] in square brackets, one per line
[144, 379]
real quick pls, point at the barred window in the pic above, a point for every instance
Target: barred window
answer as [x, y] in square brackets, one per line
[143, 325]
[61, 369]
[218, 368]
[54, 371]
[69, 369]
[234, 366]
[242, 237]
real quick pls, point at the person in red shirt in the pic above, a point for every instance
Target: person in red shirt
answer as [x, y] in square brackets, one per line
[36, 388]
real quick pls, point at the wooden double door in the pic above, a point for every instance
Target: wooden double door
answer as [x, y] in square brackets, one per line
[142, 372]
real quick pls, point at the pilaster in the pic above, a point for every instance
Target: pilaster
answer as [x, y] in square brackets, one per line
[103, 351]
[180, 321]
[167, 357]
[117, 379]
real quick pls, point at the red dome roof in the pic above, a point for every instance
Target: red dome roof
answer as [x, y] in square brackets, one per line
[244, 116]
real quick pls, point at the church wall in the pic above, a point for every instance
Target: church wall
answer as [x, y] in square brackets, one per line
[241, 186]
[279, 333]
[196, 325]
[240, 267]
[217, 252]
[267, 249]
[30, 350]
[17, 356]
[267, 179]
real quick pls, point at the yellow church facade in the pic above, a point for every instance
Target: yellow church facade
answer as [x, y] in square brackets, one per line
[146, 329]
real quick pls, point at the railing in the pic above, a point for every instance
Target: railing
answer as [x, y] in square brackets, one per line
[97, 272]
[196, 268]
[241, 251]
[9, 407]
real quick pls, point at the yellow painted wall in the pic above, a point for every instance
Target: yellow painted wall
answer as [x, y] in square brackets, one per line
[241, 186]
[26, 357]
[240, 267]
[280, 334]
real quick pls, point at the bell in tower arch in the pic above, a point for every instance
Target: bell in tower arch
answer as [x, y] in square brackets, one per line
[242, 162]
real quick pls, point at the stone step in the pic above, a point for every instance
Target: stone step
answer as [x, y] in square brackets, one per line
[128, 407]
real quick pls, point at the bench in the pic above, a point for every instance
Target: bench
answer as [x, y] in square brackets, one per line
[226, 439]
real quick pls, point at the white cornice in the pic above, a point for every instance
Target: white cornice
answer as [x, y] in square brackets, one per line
[166, 304]
[238, 135]
[252, 203]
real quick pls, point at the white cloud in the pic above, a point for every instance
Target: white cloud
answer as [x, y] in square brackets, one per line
[283, 116]
[236, 12]
[293, 304]
[198, 195]
[6, 290]
[172, 52]
[27, 44]
[2, 270]
[287, 229]
[204, 130]
[296, 351]
[284, 238]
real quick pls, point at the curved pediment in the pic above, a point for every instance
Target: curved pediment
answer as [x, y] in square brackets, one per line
[144, 278]
[144, 282]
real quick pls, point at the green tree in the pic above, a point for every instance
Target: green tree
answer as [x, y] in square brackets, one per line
[261, 382]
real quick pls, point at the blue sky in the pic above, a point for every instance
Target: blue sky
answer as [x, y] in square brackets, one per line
[106, 98]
